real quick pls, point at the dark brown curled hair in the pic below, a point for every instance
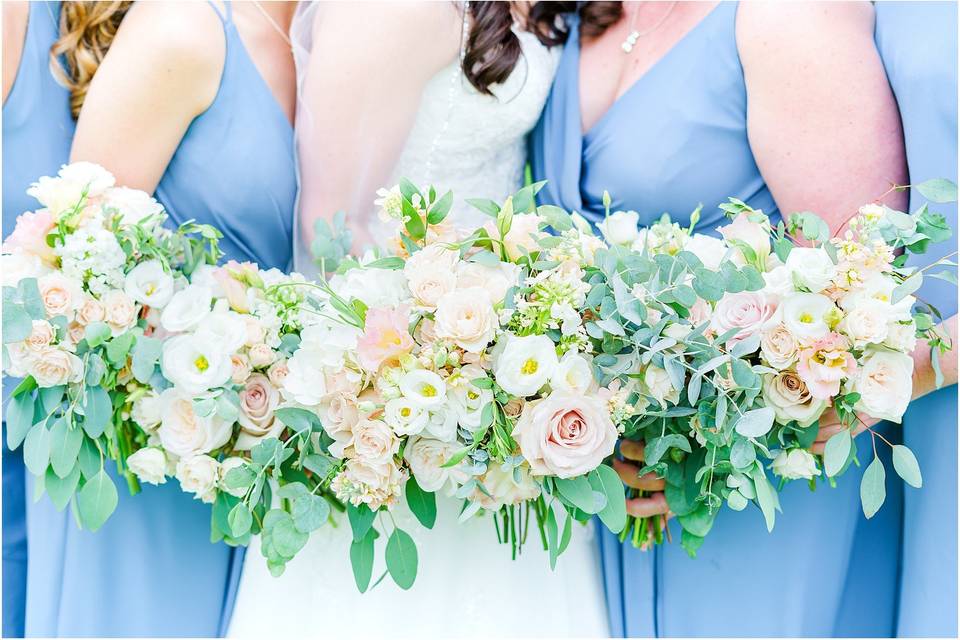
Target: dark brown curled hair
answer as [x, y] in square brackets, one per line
[493, 49]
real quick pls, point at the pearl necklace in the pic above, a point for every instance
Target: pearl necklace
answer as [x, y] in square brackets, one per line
[635, 35]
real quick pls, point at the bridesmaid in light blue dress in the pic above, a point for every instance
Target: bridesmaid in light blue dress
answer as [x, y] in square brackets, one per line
[37, 130]
[675, 138]
[918, 43]
[151, 570]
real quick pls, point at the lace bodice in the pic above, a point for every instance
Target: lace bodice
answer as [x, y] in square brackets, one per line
[472, 143]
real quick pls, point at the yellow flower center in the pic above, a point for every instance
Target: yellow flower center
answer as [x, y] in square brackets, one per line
[428, 391]
[201, 363]
[806, 318]
[529, 367]
[405, 412]
[150, 289]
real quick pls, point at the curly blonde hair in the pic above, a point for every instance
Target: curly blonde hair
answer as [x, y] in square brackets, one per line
[86, 31]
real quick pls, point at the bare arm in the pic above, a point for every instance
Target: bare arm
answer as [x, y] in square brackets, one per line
[822, 120]
[15, 15]
[364, 79]
[165, 63]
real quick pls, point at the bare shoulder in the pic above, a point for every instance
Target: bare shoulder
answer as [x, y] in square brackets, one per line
[769, 31]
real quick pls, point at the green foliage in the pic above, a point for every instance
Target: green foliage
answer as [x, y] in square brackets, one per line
[422, 503]
[873, 489]
[401, 557]
[96, 501]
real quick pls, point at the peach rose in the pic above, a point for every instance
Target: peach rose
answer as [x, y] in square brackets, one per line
[565, 435]
[278, 372]
[41, 336]
[779, 347]
[52, 367]
[61, 295]
[120, 312]
[91, 311]
[231, 278]
[466, 317]
[374, 441]
[241, 368]
[261, 355]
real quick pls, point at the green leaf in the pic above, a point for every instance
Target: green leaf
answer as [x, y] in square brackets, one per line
[36, 449]
[96, 369]
[65, 445]
[29, 292]
[239, 520]
[440, 208]
[906, 466]
[742, 454]
[690, 543]
[555, 217]
[614, 513]
[299, 419]
[401, 558]
[361, 559]
[97, 411]
[873, 490]
[699, 521]
[310, 512]
[938, 190]
[17, 324]
[656, 447]
[836, 452]
[422, 503]
[90, 462]
[96, 333]
[118, 348]
[146, 353]
[412, 220]
[286, 538]
[578, 492]
[906, 288]
[361, 519]
[319, 464]
[96, 501]
[488, 207]
[19, 419]
[755, 423]
[60, 489]
[766, 496]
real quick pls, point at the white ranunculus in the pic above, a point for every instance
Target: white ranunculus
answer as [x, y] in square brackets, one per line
[795, 464]
[193, 365]
[133, 205]
[426, 457]
[805, 315]
[504, 489]
[376, 288]
[224, 330]
[305, 380]
[146, 411]
[790, 399]
[710, 250]
[19, 265]
[149, 284]
[620, 227]
[149, 465]
[867, 323]
[885, 384]
[187, 308]
[657, 382]
[497, 280]
[442, 424]
[466, 317]
[200, 476]
[811, 268]
[329, 342]
[405, 416]
[573, 374]
[431, 273]
[525, 364]
[424, 388]
[183, 433]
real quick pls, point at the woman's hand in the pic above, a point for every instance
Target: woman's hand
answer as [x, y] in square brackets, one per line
[649, 505]
[830, 425]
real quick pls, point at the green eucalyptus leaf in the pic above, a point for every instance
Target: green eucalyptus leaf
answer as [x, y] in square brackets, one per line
[19, 419]
[36, 449]
[97, 411]
[873, 489]
[938, 190]
[96, 501]
[17, 324]
[606, 481]
[836, 452]
[578, 492]
[65, 442]
[59, 489]
[361, 559]
[906, 466]
[422, 503]
[361, 520]
[401, 557]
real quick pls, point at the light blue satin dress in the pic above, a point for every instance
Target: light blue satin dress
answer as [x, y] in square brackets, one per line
[918, 44]
[152, 570]
[37, 131]
[675, 139]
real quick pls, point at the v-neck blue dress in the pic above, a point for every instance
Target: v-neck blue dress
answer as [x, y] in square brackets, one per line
[37, 131]
[151, 570]
[918, 44]
[675, 139]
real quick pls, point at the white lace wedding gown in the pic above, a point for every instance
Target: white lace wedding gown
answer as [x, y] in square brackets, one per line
[467, 585]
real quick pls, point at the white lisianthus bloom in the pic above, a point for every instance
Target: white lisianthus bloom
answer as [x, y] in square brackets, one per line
[795, 464]
[525, 364]
[805, 315]
[620, 227]
[497, 280]
[405, 416]
[194, 365]
[304, 381]
[426, 457]
[149, 284]
[149, 465]
[468, 400]
[205, 276]
[811, 268]
[200, 476]
[146, 411]
[710, 250]
[223, 329]
[183, 433]
[885, 384]
[573, 374]
[657, 382]
[879, 287]
[466, 317]
[132, 205]
[187, 308]
[424, 388]
[867, 323]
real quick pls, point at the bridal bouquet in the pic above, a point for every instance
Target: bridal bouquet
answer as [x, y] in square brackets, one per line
[759, 333]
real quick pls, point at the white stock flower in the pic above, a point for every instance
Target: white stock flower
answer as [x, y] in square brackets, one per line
[620, 227]
[811, 268]
[187, 308]
[194, 365]
[795, 464]
[149, 284]
[525, 364]
[149, 465]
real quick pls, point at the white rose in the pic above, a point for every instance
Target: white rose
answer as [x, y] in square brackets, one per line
[573, 374]
[754, 234]
[431, 273]
[504, 488]
[232, 462]
[120, 312]
[405, 416]
[183, 433]
[790, 399]
[467, 318]
[200, 476]
[710, 250]
[61, 295]
[779, 282]
[187, 308]
[20, 265]
[779, 347]
[149, 284]
[657, 382]
[795, 464]
[224, 330]
[374, 441]
[132, 205]
[52, 367]
[620, 227]
[805, 315]
[901, 336]
[426, 457]
[497, 280]
[424, 388]
[868, 323]
[525, 364]
[149, 465]
[811, 268]
[885, 384]
[146, 411]
[194, 365]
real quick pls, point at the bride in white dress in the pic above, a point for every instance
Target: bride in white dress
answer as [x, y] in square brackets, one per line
[383, 95]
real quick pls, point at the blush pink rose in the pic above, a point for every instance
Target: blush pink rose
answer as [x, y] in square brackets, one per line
[824, 364]
[748, 311]
[385, 337]
[745, 230]
[232, 278]
[258, 400]
[30, 235]
[565, 435]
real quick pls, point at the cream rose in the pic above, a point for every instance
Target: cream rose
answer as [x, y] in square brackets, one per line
[61, 295]
[565, 435]
[426, 458]
[795, 464]
[183, 433]
[120, 312]
[258, 400]
[146, 411]
[278, 372]
[867, 323]
[620, 227]
[753, 234]
[523, 234]
[748, 311]
[132, 205]
[467, 318]
[374, 441]
[657, 383]
[200, 476]
[90, 311]
[504, 489]
[41, 336]
[779, 347]
[573, 374]
[790, 399]
[431, 274]
[261, 355]
[496, 280]
[339, 414]
[885, 384]
[149, 465]
[52, 367]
